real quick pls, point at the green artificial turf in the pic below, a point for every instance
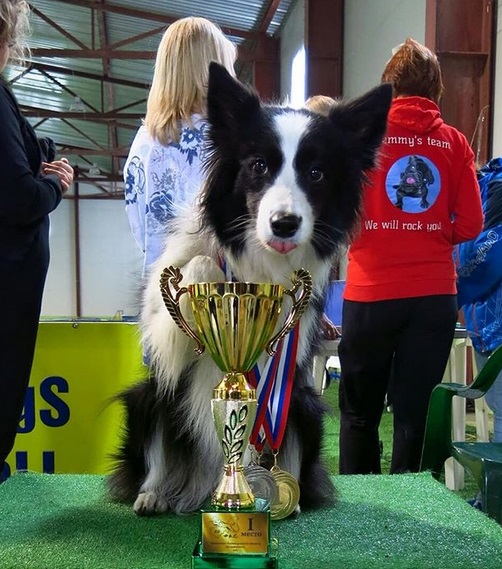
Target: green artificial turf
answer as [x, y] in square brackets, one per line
[391, 522]
[64, 521]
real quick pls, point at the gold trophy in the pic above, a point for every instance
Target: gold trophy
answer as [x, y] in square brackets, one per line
[235, 322]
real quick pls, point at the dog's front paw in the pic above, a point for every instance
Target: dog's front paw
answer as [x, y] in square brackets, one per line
[149, 504]
[202, 269]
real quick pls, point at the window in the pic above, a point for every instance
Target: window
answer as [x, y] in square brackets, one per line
[297, 94]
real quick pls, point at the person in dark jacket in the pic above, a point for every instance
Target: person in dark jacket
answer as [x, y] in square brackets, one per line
[479, 282]
[30, 188]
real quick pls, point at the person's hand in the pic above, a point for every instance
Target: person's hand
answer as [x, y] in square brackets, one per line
[62, 169]
[329, 330]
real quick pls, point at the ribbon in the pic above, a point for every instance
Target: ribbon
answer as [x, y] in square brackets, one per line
[273, 384]
[229, 276]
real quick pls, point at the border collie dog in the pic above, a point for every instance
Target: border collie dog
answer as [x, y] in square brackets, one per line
[283, 191]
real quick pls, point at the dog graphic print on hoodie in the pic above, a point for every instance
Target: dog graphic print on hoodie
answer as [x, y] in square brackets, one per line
[431, 203]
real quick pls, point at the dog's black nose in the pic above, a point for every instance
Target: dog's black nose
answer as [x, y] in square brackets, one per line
[285, 225]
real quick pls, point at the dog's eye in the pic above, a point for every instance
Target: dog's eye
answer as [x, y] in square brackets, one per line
[259, 167]
[316, 174]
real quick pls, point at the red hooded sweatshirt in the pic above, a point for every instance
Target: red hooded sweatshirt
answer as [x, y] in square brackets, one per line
[422, 199]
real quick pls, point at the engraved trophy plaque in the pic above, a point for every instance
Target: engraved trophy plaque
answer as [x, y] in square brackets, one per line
[236, 323]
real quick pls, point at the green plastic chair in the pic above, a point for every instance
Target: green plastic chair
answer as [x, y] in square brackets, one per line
[482, 460]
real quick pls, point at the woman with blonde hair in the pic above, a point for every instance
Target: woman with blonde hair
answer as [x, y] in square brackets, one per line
[33, 184]
[163, 171]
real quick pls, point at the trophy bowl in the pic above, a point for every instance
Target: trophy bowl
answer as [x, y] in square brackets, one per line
[236, 320]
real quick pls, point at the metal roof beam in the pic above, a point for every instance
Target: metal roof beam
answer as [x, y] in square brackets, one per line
[67, 89]
[144, 15]
[82, 133]
[85, 116]
[83, 74]
[138, 37]
[61, 30]
[273, 5]
[71, 151]
[93, 53]
[243, 53]
[106, 65]
[110, 194]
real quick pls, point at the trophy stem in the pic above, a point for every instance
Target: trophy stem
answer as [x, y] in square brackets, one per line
[234, 385]
[234, 411]
[233, 492]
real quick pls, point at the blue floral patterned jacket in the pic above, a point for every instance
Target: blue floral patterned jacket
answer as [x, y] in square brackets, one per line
[160, 181]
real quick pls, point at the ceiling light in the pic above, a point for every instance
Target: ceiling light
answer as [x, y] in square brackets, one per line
[77, 106]
[94, 170]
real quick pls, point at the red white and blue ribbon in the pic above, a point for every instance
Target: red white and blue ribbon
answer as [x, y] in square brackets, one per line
[273, 382]
[229, 276]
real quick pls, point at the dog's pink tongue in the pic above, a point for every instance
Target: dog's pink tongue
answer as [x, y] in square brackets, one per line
[282, 246]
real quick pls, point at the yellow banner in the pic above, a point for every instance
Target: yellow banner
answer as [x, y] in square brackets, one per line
[70, 423]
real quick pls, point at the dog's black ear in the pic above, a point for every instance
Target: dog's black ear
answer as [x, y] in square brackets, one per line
[364, 121]
[229, 104]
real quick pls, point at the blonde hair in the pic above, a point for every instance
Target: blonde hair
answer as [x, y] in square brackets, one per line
[181, 73]
[414, 70]
[15, 28]
[320, 104]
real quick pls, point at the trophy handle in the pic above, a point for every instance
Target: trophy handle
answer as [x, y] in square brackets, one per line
[171, 276]
[300, 277]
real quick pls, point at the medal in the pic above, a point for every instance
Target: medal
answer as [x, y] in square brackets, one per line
[288, 495]
[261, 481]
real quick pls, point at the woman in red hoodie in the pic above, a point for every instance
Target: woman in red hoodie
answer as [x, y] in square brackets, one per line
[400, 306]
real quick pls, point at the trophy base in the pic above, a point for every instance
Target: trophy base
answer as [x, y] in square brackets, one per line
[236, 539]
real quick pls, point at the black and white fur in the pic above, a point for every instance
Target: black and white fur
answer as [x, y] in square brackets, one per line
[283, 191]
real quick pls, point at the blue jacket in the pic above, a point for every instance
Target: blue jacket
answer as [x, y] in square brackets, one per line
[479, 266]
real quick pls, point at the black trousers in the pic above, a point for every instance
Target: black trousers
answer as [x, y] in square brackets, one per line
[22, 279]
[400, 347]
